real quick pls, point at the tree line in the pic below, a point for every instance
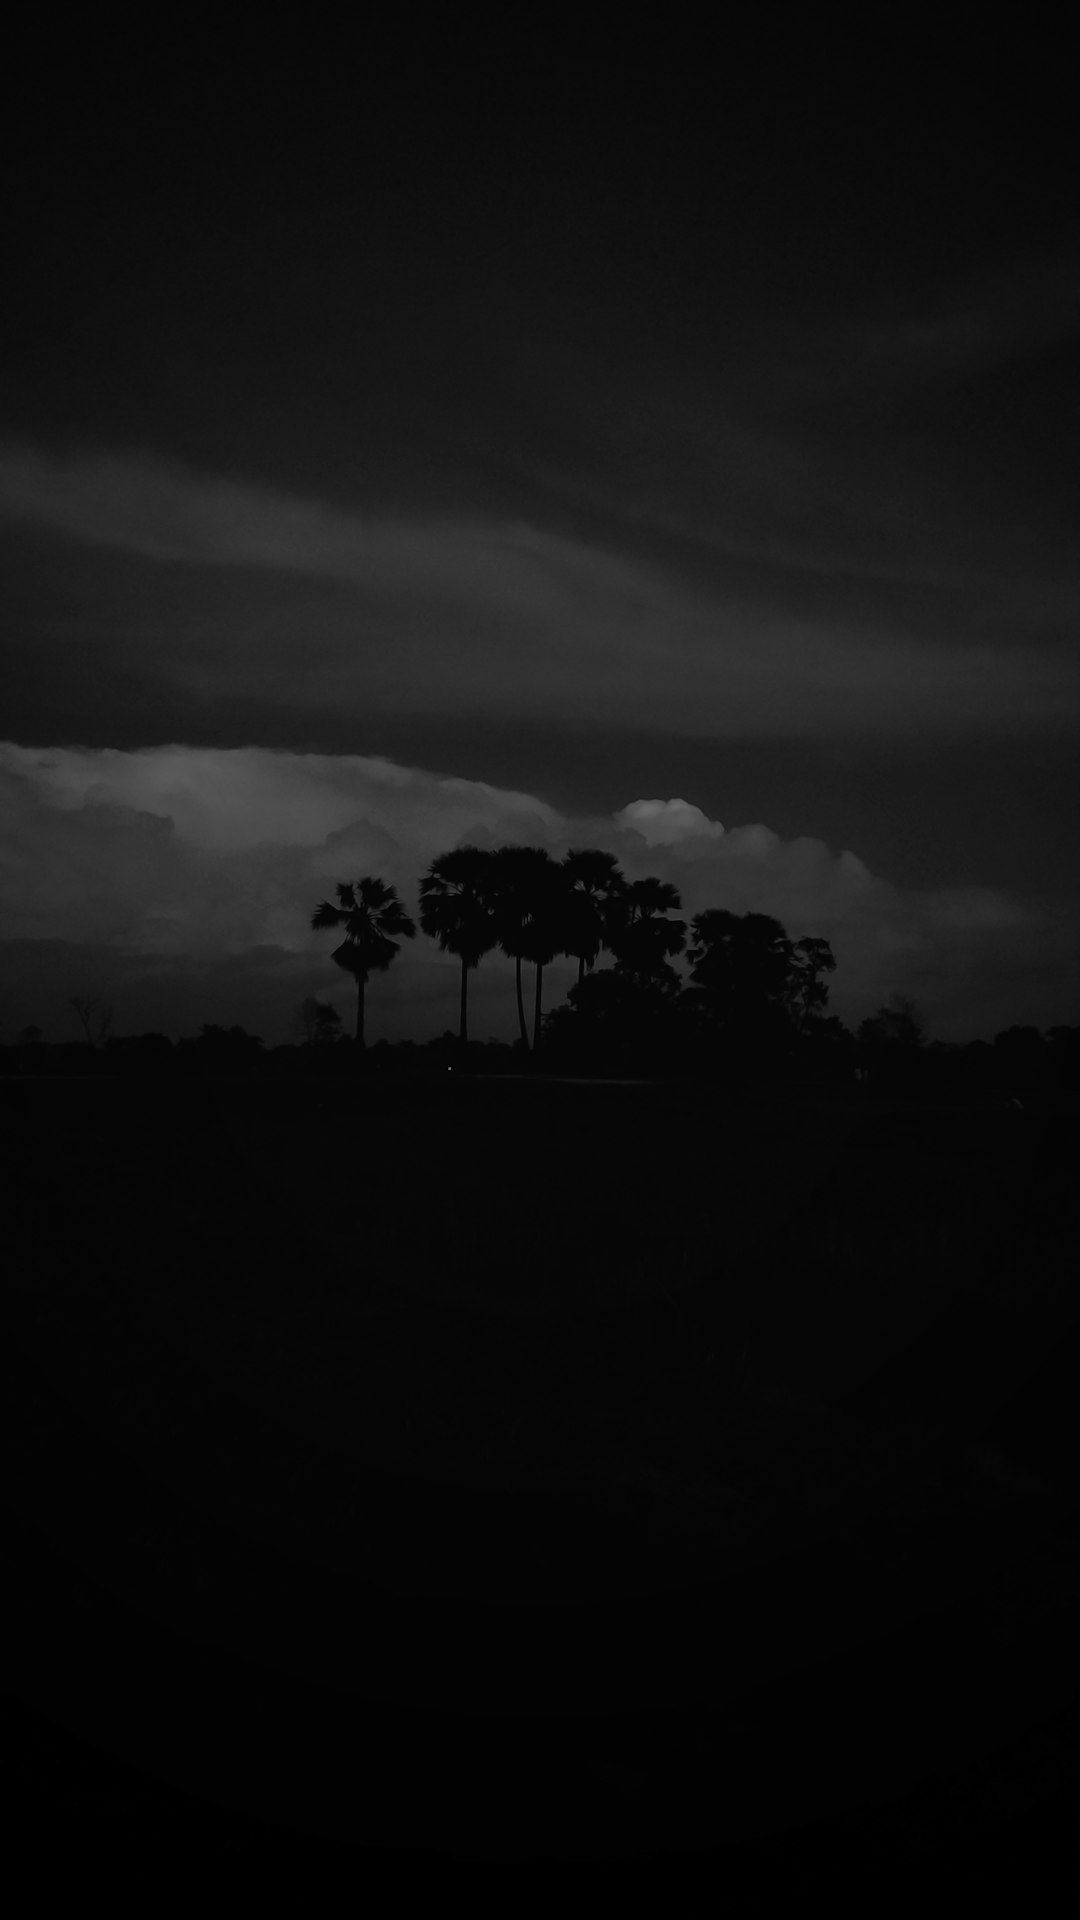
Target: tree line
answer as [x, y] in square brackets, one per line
[754, 1000]
[889, 1051]
[747, 977]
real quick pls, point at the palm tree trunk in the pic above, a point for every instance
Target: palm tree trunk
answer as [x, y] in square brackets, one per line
[536, 1009]
[521, 1003]
[580, 968]
[464, 1026]
[360, 1010]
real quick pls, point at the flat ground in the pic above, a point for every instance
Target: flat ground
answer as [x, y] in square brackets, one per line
[608, 1285]
[498, 1341]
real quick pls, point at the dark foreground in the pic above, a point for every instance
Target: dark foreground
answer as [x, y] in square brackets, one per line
[531, 1472]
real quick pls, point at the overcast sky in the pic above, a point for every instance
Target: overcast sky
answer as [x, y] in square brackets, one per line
[403, 443]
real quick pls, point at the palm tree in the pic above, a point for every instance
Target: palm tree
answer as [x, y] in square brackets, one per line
[529, 899]
[511, 913]
[457, 909]
[642, 938]
[595, 887]
[372, 916]
[549, 930]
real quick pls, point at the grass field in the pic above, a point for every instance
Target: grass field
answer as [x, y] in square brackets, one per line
[480, 1346]
[631, 1286]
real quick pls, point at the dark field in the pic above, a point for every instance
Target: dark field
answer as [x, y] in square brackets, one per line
[575, 1350]
[411, 1259]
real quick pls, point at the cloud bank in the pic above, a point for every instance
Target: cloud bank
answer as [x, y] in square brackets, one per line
[179, 882]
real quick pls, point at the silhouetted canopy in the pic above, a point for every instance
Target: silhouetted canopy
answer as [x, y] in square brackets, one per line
[458, 903]
[374, 921]
[644, 939]
[594, 898]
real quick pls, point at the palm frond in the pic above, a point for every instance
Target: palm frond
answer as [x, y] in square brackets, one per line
[380, 951]
[351, 959]
[375, 894]
[457, 903]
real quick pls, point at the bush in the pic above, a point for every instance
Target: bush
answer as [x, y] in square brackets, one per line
[139, 1053]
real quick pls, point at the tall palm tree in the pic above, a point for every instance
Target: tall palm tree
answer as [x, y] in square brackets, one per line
[529, 898]
[457, 909]
[548, 932]
[595, 886]
[510, 868]
[643, 939]
[374, 921]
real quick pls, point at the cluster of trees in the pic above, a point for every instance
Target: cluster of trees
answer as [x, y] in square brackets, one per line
[753, 1000]
[751, 987]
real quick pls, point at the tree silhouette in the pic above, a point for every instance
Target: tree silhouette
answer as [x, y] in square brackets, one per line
[737, 958]
[224, 1047]
[641, 936]
[828, 1048]
[744, 975]
[375, 922]
[529, 900]
[457, 908]
[95, 1017]
[890, 1042]
[142, 1052]
[595, 891]
[806, 993]
[898, 1022]
[316, 1022]
[615, 1019]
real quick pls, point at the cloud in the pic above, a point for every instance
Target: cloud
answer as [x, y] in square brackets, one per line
[442, 616]
[820, 449]
[157, 869]
[665, 822]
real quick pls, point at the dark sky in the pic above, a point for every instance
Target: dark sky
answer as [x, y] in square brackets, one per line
[594, 420]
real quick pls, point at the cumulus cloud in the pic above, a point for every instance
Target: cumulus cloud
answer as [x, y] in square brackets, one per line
[443, 615]
[175, 864]
[663, 823]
